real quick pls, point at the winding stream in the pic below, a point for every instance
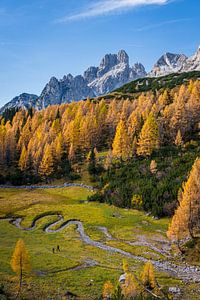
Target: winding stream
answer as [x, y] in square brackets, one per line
[184, 272]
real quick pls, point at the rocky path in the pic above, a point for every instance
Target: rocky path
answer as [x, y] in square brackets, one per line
[185, 272]
[30, 187]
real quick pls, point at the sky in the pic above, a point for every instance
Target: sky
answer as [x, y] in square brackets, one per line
[44, 38]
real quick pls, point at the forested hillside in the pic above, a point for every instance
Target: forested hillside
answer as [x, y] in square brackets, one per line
[150, 143]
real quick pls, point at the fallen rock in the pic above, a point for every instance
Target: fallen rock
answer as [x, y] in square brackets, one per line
[174, 290]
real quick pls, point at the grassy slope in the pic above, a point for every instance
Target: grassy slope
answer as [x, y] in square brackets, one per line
[32, 203]
[50, 275]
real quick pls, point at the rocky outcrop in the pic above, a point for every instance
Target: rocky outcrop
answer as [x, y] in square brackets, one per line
[176, 63]
[168, 63]
[24, 100]
[192, 63]
[65, 90]
[113, 72]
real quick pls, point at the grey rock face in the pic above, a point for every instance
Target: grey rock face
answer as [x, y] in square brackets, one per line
[65, 90]
[176, 63]
[90, 74]
[192, 63]
[113, 72]
[168, 63]
[22, 101]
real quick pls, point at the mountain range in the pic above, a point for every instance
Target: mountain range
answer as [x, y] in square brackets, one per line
[113, 72]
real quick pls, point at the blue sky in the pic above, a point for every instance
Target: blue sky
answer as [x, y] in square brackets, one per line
[44, 38]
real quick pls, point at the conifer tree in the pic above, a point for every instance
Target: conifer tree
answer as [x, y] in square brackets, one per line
[148, 276]
[149, 137]
[121, 144]
[153, 167]
[134, 146]
[46, 168]
[108, 160]
[107, 290]
[178, 140]
[23, 159]
[71, 154]
[130, 288]
[186, 222]
[125, 266]
[92, 163]
[118, 295]
[20, 261]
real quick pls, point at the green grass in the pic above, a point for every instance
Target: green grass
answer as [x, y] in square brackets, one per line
[50, 272]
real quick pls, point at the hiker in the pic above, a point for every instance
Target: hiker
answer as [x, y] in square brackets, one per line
[53, 250]
[58, 248]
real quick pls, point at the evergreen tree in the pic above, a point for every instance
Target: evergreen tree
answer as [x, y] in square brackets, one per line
[108, 160]
[92, 164]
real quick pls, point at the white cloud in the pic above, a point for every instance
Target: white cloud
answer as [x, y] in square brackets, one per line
[161, 24]
[103, 7]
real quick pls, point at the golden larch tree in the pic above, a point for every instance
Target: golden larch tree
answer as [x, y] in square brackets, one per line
[125, 266]
[20, 262]
[121, 144]
[149, 137]
[47, 164]
[148, 276]
[108, 290]
[23, 159]
[178, 140]
[186, 221]
[153, 167]
[130, 288]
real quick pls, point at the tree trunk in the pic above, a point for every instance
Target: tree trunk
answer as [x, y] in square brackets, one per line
[20, 279]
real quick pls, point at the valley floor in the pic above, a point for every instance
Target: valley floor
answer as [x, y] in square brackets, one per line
[93, 239]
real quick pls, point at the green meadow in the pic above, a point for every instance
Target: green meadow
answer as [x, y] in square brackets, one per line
[79, 268]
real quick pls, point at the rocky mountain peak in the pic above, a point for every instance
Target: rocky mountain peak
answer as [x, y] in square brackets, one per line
[109, 60]
[24, 100]
[123, 57]
[53, 81]
[90, 74]
[139, 69]
[168, 63]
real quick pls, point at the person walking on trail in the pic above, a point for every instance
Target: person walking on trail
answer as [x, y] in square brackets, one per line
[53, 250]
[58, 248]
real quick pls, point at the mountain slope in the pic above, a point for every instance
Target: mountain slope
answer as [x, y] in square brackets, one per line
[174, 63]
[156, 83]
[22, 101]
[113, 72]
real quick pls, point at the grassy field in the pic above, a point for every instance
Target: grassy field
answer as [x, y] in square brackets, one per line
[54, 274]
